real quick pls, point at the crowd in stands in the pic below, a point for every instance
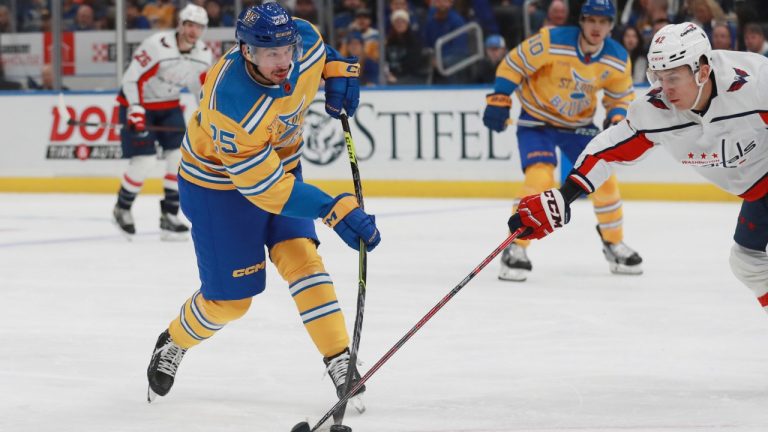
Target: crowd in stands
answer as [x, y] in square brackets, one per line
[413, 28]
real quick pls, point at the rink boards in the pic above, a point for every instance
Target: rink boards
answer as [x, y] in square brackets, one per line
[410, 142]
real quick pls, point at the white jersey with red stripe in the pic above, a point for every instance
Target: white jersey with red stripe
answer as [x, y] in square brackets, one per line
[727, 145]
[159, 71]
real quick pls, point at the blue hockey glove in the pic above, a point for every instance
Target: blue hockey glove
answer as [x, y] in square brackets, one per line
[497, 111]
[342, 86]
[351, 223]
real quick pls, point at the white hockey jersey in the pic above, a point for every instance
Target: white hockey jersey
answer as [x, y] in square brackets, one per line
[159, 71]
[727, 145]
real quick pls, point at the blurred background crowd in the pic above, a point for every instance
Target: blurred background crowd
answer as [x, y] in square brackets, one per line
[425, 41]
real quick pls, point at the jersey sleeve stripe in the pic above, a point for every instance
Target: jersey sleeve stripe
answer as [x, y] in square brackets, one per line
[621, 67]
[295, 155]
[202, 175]
[582, 181]
[524, 59]
[253, 123]
[511, 63]
[311, 58]
[208, 164]
[212, 101]
[613, 95]
[249, 163]
[253, 110]
[265, 184]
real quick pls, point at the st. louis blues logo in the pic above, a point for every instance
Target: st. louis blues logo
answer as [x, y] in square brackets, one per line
[654, 97]
[739, 80]
[289, 123]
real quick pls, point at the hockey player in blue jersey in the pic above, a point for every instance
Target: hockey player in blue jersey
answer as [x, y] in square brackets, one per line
[241, 187]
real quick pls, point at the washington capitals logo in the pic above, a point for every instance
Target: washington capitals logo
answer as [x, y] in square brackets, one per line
[739, 80]
[654, 97]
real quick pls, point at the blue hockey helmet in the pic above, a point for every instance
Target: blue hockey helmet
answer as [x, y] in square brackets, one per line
[267, 26]
[598, 8]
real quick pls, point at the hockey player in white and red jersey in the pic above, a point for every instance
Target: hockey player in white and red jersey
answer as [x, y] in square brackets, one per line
[162, 66]
[709, 111]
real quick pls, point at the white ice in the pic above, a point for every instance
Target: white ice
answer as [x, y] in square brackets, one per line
[680, 348]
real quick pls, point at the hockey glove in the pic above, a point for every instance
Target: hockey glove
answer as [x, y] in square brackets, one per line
[342, 86]
[540, 214]
[497, 111]
[137, 118]
[351, 223]
[610, 121]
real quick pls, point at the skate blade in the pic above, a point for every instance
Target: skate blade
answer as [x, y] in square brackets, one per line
[171, 236]
[623, 269]
[357, 403]
[150, 395]
[513, 275]
[128, 236]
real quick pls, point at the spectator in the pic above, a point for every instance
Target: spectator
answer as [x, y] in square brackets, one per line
[485, 69]
[6, 25]
[133, 17]
[343, 19]
[754, 39]
[707, 13]
[46, 79]
[441, 20]
[362, 24]
[31, 14]
[84, 20]
[306, 10]
[395, 5]
[557, 14]
[215, 16]
[721, 37]
[160, 14]
[633, 43]
[369, 69]
[404, 51]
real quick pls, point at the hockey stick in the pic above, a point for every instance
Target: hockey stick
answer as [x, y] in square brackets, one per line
[64, 113]
[304, 426]
[586, 131]
[362, 270]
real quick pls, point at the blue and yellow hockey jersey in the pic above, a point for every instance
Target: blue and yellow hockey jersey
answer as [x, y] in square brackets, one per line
[248, 136]
[558, 84]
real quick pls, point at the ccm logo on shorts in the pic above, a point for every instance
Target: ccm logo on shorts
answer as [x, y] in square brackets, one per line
[248, 270]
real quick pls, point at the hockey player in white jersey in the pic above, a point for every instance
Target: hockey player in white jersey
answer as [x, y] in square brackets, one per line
[161, 67]
[709, 110]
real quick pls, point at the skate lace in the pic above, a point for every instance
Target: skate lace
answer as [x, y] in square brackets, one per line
[337, 369]
[170, 358]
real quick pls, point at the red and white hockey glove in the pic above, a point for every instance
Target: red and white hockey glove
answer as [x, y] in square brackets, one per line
[540, 214]
[137, 118]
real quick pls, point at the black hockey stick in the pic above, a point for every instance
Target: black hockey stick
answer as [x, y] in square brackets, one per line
[304, 426]
[64, 113]
[362, 270]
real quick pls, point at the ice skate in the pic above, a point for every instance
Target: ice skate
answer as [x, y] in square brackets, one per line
[171, 226]
[515, 264]
[336, 367]
[123, 220]
[621, 258]
[163, 365]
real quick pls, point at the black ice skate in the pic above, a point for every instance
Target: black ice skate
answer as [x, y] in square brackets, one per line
[336, 367]
[515, 264]
[171, 227]
[621, 258]
[123, 220]
[162, 367]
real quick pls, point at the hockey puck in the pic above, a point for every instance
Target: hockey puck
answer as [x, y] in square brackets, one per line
[340, 428]
[301, 427]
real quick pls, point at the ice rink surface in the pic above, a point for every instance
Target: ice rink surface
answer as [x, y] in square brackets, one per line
[683, 347]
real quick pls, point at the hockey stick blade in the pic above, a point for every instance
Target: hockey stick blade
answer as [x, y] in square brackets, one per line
[304, 426]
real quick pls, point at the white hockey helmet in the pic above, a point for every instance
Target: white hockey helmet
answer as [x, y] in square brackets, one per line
[678, 44]
[193, 13]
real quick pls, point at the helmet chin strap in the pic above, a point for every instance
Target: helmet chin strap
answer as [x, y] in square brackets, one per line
[700, 84]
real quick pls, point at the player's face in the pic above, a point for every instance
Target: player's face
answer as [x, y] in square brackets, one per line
[274, 63]
[596, 28]
[678, 86]
[191, 32]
